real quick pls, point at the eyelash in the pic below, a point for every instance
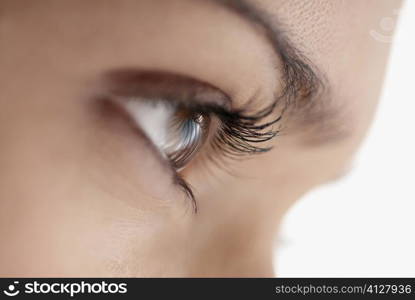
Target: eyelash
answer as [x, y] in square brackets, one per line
[239, 132]
[238, 135]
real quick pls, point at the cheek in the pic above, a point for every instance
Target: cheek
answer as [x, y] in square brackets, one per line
[84, 192]
[93, 239]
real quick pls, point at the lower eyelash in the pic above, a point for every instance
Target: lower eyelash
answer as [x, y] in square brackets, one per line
[178, 179]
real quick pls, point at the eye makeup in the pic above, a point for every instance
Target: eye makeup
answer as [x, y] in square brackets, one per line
[181, 115]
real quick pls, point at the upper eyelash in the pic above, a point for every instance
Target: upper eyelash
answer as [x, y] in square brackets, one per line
[239, 132]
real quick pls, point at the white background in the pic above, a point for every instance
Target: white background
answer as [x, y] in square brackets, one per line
[364, 225]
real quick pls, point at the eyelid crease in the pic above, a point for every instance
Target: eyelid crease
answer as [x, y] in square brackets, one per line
[164, 85]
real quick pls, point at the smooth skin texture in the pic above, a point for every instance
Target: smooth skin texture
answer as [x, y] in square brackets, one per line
[82, 194]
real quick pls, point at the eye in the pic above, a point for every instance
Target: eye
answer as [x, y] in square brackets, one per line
[180, 114]
[178, 132]
[186, 133]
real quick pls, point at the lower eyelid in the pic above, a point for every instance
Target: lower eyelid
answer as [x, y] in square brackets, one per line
[156, 125]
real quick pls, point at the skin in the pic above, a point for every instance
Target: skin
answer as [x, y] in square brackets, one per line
[83, 195]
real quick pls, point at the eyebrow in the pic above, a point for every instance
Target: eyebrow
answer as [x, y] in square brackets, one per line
[305, 95]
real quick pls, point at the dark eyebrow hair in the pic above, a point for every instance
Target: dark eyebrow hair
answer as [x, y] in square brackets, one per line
[305, 96]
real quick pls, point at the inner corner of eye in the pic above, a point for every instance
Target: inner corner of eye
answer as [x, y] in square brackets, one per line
[176, 132]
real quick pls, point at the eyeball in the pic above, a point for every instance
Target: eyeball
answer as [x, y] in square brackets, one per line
[177, 132]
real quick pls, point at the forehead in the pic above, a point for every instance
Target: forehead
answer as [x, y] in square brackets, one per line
[321, 27]
[93, 34]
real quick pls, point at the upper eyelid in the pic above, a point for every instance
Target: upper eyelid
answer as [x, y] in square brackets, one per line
[193, 94]
[184, 91]
[178, 89]
[167, 86]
